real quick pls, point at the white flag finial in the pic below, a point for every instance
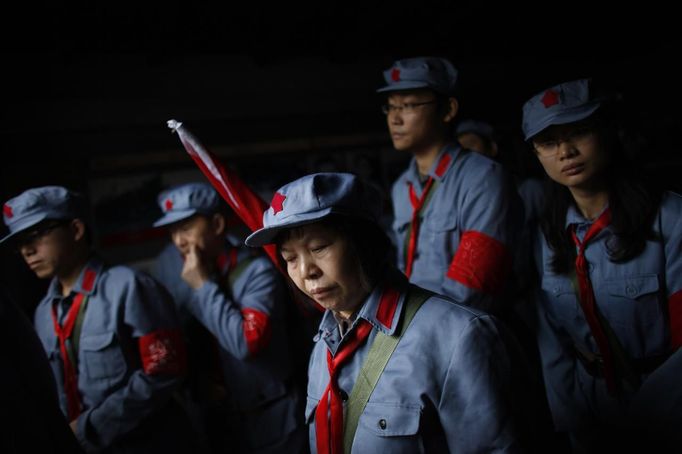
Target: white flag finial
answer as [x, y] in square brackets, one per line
[174, 124]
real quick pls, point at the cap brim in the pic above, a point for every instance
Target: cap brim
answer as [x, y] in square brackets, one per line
[174, 216]
[26, 223]
[267, 235]
[564, 117]
[403, 85]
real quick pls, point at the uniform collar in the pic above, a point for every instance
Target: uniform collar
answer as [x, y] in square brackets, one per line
[232, 241]
[86, 282]
[574, 216]
[382, 315]
[441, 165]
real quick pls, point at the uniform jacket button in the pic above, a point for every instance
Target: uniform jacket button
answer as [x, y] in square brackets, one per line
[344, 395]
[382, 424]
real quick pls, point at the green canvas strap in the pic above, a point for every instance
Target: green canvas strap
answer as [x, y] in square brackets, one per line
[79, 324]
[76, 335]
[378, 356]
[238, 270]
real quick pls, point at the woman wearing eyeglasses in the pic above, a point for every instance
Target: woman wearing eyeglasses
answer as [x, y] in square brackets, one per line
[457, 213]
[609, 257]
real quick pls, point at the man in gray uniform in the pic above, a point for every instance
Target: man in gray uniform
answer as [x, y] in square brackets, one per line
[110, 333]
[240, 298]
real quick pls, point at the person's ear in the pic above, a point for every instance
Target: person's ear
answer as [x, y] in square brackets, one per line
[218, 224]
[493, 149]
[451, 110]
[77, 229]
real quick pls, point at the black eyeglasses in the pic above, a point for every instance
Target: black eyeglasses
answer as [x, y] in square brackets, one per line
[406, 107]
[36, 233]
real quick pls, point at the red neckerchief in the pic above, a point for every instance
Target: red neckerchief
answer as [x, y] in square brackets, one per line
[587, 299]
[329, 413]
[417, 205]
[63, 334]
[227, 261]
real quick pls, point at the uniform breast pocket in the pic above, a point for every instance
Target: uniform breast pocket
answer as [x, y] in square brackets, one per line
[102, 356]
[385, 428]
[633, 301]
[442, 235]
[560, 298]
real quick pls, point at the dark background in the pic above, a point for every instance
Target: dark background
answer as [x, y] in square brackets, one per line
[278, 92]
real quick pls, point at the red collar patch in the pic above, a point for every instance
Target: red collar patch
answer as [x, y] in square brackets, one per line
[550, 98]
[395, 75]
[278, 202]
[169, 204]
[443, 164]
[7, 211]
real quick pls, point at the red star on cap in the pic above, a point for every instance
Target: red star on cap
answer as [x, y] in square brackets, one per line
[169, 204]
[7, 211]
[395, 75]
[277, 202]
[550, 98]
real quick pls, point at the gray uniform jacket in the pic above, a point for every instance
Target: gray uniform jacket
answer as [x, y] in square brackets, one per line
[468, 226]
[448, 386]
[130, 359]
[256, 362]
[641, 299]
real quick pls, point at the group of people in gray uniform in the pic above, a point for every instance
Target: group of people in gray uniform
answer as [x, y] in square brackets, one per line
[419, 343]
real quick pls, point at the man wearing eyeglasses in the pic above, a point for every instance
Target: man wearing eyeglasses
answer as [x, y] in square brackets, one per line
[111, 334]
[456, 212]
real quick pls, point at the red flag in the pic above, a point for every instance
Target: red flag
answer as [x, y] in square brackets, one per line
[245, 203]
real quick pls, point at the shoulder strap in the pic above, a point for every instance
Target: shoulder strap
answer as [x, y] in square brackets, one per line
[75, 340]
[238, 270]
[379, 354]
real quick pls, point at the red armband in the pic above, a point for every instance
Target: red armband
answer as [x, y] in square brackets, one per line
[163, 352]
[481, 262]
[257, 330]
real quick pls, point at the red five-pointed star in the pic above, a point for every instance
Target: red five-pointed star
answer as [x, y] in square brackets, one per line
[169, 204]
[277, 202]
[7, 210]
[395, 75]
[550, 98]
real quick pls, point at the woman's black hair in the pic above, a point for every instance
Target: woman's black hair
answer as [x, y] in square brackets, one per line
[634, 201]
[369, 245]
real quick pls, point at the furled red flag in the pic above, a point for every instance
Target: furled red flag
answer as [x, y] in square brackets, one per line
[245, 203]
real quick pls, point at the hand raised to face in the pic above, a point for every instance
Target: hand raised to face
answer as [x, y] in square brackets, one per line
[195, 270]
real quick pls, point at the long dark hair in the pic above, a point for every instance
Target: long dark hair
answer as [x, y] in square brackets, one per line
[633, 199]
